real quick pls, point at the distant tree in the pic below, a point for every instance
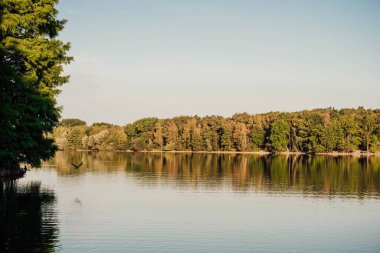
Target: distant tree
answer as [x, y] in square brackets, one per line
[74, 137]
[243, 118]
[131, 133]
[158, 135]
[186, 137]
[367, 122]
[96, 141]
[140, 134]
[104, 137]
[72, 122]
[102, 124]
[211, 130]
[348, 133]
[226, 142]
[257, 137]
[208, 138]
[240, 137]
[171, 136]
[329, 137]
[314, 132]
[145, 125]
[196, 139]
[138, 144]
[279, 135]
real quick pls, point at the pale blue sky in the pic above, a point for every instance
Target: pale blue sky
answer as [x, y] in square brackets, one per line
[140, 58]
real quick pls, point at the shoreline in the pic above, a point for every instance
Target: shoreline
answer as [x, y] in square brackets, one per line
[261, 152]
[12, 174]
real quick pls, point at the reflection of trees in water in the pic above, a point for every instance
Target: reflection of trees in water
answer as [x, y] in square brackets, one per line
[92, 161]
[308, 174]
[28, 221]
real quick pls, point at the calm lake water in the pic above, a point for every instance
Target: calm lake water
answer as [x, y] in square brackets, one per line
[147, 202]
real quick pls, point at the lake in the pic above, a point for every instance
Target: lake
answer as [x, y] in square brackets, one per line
[153, 202]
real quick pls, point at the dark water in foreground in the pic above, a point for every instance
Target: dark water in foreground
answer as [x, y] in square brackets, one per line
[121, 202]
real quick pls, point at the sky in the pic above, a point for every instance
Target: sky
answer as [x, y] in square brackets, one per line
[136, 59]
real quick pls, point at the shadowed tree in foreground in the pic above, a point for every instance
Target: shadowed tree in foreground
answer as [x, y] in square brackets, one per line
[31, 66]
[26, 117]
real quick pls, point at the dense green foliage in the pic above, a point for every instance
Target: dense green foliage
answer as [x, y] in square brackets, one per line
[312, 131]
[79, 136]
[26, 117]
[31, 64]
[28, 43]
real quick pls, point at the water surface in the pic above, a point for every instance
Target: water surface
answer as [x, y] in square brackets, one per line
[152, 202]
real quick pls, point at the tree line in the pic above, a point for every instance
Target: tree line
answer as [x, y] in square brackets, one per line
[312, 131]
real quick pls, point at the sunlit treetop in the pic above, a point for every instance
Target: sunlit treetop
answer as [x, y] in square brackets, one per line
[28, 43]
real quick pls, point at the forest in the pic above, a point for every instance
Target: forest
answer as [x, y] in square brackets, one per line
[310, 131]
